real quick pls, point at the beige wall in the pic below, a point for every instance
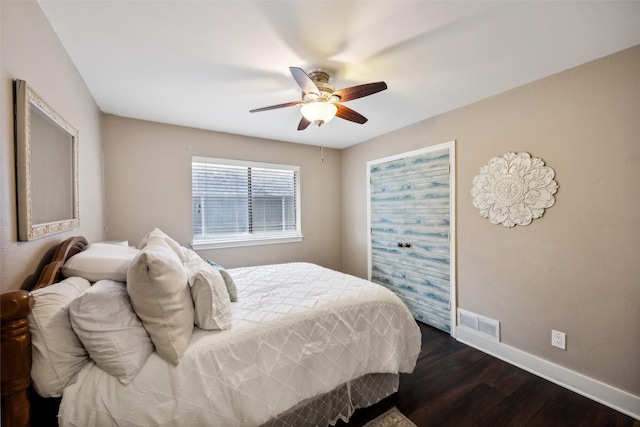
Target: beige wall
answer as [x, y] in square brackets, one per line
[575, 270]
[148, 184]
[31, 51]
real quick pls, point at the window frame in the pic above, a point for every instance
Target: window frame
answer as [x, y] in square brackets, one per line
[235, 240]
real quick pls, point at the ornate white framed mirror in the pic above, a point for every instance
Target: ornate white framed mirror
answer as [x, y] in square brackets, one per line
[46, 167]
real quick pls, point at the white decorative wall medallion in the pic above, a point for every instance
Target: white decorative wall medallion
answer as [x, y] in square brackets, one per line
[514, 189]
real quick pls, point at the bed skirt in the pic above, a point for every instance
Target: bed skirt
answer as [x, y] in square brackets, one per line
[340, 403]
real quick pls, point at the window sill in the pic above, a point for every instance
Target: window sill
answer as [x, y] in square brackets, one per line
[253, 241]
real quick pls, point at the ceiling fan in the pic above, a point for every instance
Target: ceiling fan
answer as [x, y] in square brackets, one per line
[321, 102]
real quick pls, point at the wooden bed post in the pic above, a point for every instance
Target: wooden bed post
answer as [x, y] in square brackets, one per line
[15, 356]
[15, 347]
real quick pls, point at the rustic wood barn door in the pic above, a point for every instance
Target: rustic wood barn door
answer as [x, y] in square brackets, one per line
[410, 214]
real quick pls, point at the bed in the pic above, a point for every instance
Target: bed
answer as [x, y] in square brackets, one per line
[303, 345]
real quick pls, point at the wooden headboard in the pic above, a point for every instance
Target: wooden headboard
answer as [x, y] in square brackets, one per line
[51, 272]
[15, 356]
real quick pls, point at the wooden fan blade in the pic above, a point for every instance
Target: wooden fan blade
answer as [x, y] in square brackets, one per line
[347, 113]
[273, 107]
[304, 81]
[303, 123]
[359, 91]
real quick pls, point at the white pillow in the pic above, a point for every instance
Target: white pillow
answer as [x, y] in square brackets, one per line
[57, 353]
[156, 232]
[101, 261]
[112, 334]
[158, 286]
[228, 280]
[209, 293]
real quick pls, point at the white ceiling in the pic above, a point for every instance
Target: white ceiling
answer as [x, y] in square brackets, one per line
[205, 64]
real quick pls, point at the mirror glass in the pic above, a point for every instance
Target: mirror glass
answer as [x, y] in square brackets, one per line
[47, 167]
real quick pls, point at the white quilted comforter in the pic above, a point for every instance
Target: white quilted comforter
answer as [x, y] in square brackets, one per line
[299, 330]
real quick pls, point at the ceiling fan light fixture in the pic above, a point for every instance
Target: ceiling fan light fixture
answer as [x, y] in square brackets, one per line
[321, 102]
[319, 112]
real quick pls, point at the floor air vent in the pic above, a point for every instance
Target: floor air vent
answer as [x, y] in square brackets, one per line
[468, 320]
[484, 326]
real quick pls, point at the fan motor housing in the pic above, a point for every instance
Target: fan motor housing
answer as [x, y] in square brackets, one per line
[321, 79]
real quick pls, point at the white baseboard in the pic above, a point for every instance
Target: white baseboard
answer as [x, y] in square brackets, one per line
[612, 397]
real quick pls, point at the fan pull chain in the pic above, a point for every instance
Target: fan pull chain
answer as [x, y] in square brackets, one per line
[320, 146]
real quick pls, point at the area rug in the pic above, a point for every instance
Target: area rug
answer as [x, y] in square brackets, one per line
[392, 418]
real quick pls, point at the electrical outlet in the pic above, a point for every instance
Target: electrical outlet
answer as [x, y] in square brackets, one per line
[559, 339]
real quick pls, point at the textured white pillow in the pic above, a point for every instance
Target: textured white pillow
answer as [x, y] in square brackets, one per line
[57, 353]
[112, 334]
[156, 232]
[101, 261]
[209, 293]
[159, 290]
[228, 280]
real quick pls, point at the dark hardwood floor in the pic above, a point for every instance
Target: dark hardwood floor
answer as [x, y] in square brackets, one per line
[456, 385]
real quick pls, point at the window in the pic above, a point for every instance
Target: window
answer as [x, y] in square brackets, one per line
[237, 203]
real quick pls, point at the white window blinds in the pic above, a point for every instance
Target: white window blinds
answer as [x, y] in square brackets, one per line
[236, 203]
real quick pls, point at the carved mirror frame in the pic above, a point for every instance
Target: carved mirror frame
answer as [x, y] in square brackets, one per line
[46, 167]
